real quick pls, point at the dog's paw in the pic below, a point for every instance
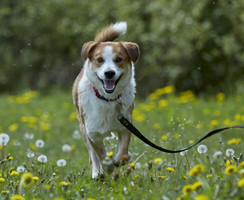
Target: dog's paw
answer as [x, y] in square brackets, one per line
[107, 165]
[121, 160]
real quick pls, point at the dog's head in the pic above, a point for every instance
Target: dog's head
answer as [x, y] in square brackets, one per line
[110, 64]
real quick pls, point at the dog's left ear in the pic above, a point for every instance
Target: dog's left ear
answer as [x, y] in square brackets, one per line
[132, 50]
[87, 49]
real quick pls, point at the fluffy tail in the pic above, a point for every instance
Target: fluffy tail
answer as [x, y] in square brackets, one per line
[112, 32]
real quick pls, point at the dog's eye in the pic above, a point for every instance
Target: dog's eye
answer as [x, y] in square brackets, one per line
[100, 60]
[118, 60]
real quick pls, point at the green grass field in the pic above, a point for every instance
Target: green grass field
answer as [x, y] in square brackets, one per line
[166, 118]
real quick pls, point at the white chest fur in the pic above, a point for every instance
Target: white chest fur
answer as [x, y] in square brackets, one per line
[101, 116]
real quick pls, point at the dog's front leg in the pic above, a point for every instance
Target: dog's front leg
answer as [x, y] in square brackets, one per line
[122, 154]
[97, 144]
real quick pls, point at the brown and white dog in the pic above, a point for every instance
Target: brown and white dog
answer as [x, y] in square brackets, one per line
[106, 78]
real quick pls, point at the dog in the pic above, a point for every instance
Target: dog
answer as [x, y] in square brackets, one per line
[106, 79]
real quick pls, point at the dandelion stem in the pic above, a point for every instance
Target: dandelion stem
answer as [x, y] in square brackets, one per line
[139, 157]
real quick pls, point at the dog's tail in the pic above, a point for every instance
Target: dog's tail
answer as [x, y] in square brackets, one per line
[112, 32]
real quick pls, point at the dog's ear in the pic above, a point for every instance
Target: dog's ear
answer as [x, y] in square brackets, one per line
[132, 50]
[87, 49]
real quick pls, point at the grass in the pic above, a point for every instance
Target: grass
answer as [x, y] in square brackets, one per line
[168, 119]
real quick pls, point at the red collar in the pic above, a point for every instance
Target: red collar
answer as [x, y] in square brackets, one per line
[103, 98]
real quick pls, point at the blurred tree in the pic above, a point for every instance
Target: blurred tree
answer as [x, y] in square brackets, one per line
[197, 45]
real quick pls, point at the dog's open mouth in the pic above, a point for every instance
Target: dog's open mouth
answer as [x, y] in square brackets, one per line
[109, 85]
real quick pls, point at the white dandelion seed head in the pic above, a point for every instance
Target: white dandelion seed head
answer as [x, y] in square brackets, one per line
[61, 163]
[66, 148]
[229, 152]
[183, 153]
[76, 135]
[30, 154]
[39, 143]
[42, 159]
[202, 149]
[20, 169]
[4, 139]
[217, 154]
[28, 136]
[138, 165]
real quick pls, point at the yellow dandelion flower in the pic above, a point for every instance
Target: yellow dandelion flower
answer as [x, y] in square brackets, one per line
[241, 165]
[227, 122]
[228, 163]
[187, 189]
[231, 141]
[184, 177]
[72, 116]
[163, 103]
[201, 197]
[209, 175]
[110, 154]
[63, 183]
[170, 169]
[26, 180]
[169, 89]
[176, 136]
[159, 91]
[45, 126]
[10, 158]
[33, 147]
[197, 169]
[238, 140]
[59, 198]
[241, 183]
[238, 117]
[156, 126]
[199, 126]
[158, 160]
[132, 165]
[182, 197]
[72, 147]
[13, 127]
[35, 178]
[14, 173]
[91, 199]
[138, 116]
[241, 173]
[214, 123]
[193, 172]
[2, 180]
[191, 141]
[17, 197]
[5, 192]
[164, 137]
[163, 177]
[196, 185]
[230, 169]
[153, 96]
[220, 97]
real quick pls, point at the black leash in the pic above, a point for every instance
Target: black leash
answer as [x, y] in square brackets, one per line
[125, 122]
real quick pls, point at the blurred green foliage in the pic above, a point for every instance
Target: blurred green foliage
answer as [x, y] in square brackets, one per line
[192, 44]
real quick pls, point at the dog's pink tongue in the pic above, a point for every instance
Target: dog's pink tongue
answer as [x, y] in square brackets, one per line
[109, 84]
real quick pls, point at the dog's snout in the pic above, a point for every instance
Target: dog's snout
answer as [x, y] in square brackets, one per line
[109, 74]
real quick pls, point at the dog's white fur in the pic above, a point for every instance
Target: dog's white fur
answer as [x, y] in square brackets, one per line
[98, 118]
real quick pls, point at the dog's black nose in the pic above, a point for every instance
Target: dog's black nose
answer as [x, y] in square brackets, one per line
[109, 74]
